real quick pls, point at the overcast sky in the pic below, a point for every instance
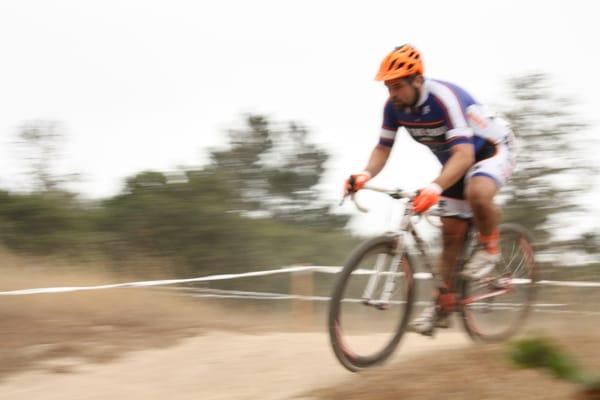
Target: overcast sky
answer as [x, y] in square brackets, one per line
[154, 84]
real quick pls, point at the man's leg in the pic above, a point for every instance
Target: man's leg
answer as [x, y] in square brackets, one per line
[454, 231]
[480, 194]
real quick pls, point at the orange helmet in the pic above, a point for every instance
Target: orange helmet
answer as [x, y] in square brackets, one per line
[403, 61]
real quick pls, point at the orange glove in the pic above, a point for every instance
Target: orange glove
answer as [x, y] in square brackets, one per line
[356, 182]
[427, 197]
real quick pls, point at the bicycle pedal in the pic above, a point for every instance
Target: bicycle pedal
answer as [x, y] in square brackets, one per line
[501, 283]
[429, 334]
[368, 302]
[376, 304]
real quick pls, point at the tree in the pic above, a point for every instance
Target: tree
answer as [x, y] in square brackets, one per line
[276, 170]
[42, 142]
[42, 224]
[255, 205]
[542, 192]
[241, 164]
[186, 221]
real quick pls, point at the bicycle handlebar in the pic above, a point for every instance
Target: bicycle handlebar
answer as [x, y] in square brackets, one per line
[393, 193]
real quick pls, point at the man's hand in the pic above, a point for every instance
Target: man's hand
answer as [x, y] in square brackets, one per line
[356, 182]
[427, 197]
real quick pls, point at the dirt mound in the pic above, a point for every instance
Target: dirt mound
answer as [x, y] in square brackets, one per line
[476, 372]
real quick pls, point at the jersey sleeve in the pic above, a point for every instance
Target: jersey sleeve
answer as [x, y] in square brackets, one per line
[389, 127]
[486, 125]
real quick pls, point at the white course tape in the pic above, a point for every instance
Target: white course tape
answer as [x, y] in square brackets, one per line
[207, 292]
[569, 283]
[151, 283]
[321, 269]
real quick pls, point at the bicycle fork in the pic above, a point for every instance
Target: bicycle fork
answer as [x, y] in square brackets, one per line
[389, 286]
[383, 302]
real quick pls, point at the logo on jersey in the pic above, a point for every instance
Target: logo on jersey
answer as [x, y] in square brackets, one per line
[430, 133]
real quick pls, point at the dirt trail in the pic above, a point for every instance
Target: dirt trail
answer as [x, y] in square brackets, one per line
[218, 365]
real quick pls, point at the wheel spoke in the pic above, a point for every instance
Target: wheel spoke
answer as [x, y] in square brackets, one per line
[497, 311]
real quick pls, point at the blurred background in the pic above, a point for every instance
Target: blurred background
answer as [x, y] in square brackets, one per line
[154, 139]
[219, 140]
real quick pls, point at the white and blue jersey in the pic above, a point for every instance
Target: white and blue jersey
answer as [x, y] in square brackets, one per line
[446, 115]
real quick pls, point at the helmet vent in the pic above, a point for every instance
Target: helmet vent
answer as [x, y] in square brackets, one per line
[401, 62]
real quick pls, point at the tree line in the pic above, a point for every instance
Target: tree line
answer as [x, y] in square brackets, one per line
[254, 204]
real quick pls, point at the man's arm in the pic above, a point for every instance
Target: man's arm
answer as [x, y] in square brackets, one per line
[379, 157]
[462, 158]
[377, 160]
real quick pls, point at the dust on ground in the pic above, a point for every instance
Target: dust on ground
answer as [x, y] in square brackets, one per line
[217, 365]
[38, 331]
[151, 344]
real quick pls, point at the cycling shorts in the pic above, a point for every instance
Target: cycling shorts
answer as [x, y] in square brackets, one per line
[498, 167]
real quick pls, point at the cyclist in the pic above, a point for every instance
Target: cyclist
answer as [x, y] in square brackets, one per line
[477, 157]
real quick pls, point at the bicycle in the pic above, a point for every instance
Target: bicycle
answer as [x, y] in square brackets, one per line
[379, 279]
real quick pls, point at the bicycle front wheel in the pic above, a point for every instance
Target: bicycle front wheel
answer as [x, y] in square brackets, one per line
[495, 307]
[371, 304]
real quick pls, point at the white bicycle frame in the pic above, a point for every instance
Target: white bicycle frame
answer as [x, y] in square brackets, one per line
[406, 226]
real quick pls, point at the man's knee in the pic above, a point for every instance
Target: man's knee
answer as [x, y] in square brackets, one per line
[480, 191]
[478, 200]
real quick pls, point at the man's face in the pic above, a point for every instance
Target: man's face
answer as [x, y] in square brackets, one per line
[403, 92]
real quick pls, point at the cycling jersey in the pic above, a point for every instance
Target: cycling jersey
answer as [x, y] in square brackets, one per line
[445, 115]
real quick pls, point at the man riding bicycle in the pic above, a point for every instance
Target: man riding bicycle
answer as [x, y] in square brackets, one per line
[477, 157]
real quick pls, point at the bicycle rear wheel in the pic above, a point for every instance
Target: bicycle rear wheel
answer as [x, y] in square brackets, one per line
[371, 304]
[495, 307]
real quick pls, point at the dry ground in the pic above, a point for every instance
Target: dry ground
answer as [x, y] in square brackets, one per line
[100, 326]
[473, 373]
[148, 344]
